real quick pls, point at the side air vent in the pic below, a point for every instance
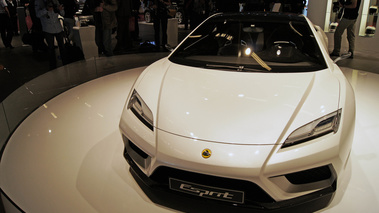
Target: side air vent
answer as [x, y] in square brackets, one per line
[310, 175]
[138, 155]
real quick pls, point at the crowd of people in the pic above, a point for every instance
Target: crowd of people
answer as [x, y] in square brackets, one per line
[46, 27]
[118, 16]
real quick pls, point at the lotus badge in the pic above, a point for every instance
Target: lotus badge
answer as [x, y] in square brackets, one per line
[206, 153]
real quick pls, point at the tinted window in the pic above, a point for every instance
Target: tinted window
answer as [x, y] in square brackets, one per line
[252, 42]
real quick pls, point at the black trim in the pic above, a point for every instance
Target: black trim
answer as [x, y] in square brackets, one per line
[142, 119]
[139, 151]
[310, 175]
[189, 203]
[254, 195]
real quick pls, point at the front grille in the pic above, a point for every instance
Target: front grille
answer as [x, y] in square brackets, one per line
[310, 175]
[253, 193]
[157, 189]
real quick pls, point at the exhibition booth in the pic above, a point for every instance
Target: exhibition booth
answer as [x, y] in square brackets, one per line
[62, 150]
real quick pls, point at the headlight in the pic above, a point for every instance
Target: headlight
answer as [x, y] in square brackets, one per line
[317, 128]
[141, 110]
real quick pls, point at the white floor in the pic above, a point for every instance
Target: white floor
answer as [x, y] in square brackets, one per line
[360, 190]
[67, 155]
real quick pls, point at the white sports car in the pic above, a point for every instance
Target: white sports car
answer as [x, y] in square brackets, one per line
[247, 113]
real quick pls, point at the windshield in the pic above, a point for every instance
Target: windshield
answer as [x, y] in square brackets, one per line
[276, 43]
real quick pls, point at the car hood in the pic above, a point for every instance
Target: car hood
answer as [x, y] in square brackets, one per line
[242, 107]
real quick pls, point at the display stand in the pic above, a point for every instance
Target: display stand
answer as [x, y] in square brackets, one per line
[276, 7]
[331, 17]
[21, 20]
[369, 18]
[172, 32]
[84, 37]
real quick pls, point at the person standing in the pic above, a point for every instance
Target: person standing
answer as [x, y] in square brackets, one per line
[160, 18]
[188, 5]
[200, 11]
[38, 39]
[70, 9]
[123, 14]
[227, 6]
[105, 21]
[135, 12]
[347, 22]
[94, 8]
[12, 8]
[5, 25]
[109, 23]
[47, 11]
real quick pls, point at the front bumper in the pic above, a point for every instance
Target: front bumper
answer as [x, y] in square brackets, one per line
[157, 187]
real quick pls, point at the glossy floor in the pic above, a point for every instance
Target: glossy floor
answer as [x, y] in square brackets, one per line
[56, 162]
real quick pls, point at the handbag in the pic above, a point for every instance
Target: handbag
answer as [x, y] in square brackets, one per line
[27, 38]
[29, 22]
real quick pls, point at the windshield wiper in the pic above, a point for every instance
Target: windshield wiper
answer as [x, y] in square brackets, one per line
[238, 68]
[260, 61]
